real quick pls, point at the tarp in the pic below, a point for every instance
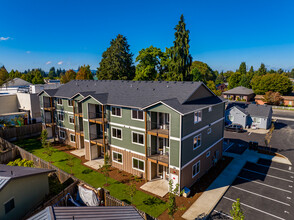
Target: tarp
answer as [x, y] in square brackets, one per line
[88, 196]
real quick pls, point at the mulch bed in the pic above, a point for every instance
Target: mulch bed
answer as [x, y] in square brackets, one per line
[197, 189]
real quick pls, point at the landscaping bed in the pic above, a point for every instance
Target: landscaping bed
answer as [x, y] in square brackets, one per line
[198, 188]
[62, 159]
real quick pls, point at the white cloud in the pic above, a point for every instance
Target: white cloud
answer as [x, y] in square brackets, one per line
[60, 62]
[48, 62]
[4, 38]
[28, 52]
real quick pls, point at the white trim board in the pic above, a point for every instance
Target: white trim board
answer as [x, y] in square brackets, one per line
[124, 149]
[126, 126]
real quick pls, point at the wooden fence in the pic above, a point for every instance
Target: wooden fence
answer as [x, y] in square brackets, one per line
[18, 133]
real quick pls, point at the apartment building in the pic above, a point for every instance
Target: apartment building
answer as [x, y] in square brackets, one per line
[152, 129]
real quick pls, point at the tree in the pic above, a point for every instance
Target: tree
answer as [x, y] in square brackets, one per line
[220, 78]
[211, 85]
[131, 191]
[149, 67]
[37, 77]
[48, 150]
[21, 163]
[181, 59]
[271, 82]
[52, 73]
[117, 61]
[171, 204]
[242, 68]
[14, 74]
[70, 163]
[84, 73]
[245, 81]
[234, 80]
[280, 71]
[272, 98]
[68, 76]
[201, 72]
[236, 211]
[44, 136]
[4, 75]
[262, 70]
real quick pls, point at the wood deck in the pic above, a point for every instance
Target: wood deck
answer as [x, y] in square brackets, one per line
[159, 132]
[97, 120]
[160, 159]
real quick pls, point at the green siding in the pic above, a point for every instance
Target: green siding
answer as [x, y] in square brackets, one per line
[206, 141]
[86, 129]
[126, 118]
[174, 153]
[85, 103]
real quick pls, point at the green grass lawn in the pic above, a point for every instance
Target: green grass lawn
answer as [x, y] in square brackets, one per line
[145, 202]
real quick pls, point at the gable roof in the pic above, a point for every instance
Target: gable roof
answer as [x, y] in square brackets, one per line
[252, 109]
[8, 173]
[88, 212]
[240, 90]
[136, 94]
[16, 82]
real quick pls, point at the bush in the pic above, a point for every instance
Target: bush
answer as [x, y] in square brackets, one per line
[21, 163]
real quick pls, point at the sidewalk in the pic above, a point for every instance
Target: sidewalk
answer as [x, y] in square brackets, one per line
[203, 206]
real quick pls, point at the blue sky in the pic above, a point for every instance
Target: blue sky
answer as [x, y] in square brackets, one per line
[67, 34]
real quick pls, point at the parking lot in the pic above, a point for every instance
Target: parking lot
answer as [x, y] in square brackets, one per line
[265, 190]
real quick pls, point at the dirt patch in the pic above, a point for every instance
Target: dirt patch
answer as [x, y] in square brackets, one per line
[197, 189]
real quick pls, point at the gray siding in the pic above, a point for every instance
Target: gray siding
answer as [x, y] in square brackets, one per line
[238, 117]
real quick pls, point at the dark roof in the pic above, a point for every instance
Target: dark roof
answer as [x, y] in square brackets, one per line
[252, 109]
[87, 212]
[17, 82]
[8, 173]
[240, 90]
[137, 94]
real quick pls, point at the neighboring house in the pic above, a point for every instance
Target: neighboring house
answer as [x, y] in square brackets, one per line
[249, 114]
[52, 81]
[286, 100]
[21, 189]
[153, 129]
[239, 93]
[87, 212]
[14, 85]
[222, 87]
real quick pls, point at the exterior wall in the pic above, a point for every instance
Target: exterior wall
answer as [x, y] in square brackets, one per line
[205, 164]
[127, 161]
[264, 122]
[26, 191]
[10, 104]
[67, 137]
[239, 117]
[247, 98]
[201, 93]
[30, 102]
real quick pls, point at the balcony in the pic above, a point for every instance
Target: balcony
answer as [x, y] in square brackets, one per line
[96, 117]
[162, 159]
[156, 129]
[78, 111]
[47, 106]
[49, 122]
[97, 139]
[79, 129]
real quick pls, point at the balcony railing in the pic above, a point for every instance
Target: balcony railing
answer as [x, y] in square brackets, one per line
[161, 157]
[97, 138]
[48, 120]
[97, 117]
[79, 128]
[157, 129]
[78, 110]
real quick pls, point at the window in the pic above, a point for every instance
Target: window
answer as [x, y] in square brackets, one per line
[116, 111]
[9, 206]
[59, 101]
[210, 109]
[137, 138]
[71, 119]
[208, 154]
[230, 118]
[117, 157]
[60, 116]
[208, 130]
[197, 141]
[197, 117]
[196, 169]
[69, 102]
[138, 164]
[116, 133]
[62, 134]
[256, 120]
[137, 115]
[72, 138]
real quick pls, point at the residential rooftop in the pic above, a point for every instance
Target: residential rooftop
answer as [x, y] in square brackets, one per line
[252, 109]
[240, 90]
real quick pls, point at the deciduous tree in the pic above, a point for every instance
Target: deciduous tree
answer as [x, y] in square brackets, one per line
[236, 211]
[234, 80]
[242, 68]
[68, 76]
[84, 73]
[272, 98]
[201, 72]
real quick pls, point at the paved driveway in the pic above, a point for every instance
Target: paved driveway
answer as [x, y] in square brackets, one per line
[265, 190]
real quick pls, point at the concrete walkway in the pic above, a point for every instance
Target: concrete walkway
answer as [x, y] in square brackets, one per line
[96, 163]
[203, 206]
[158, 187]
[79, 152]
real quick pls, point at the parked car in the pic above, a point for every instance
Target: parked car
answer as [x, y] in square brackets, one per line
[234, 128]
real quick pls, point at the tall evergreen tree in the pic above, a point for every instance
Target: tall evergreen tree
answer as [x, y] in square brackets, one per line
[52, 73]
[262, 70]
[4, 75]
[117, 61]
[181, 59]
[242, 68]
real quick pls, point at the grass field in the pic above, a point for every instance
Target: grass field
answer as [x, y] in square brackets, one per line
[143, 201]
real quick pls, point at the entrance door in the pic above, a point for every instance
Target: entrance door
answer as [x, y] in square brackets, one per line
[82, 142]
[160, 171]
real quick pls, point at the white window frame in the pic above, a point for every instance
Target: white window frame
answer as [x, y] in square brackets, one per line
[199, 119]
[116, 115]
[62, 131]
[209, 108]
[134, 132]
[194, 148]
[137, 119]
[59, 99]
[209, 131]
[138, 164]
[70, 116]
[122, 157]
[62, 113]
[74, 138]
[116, 129]
[198, 162]
[207, 154]
[69, 103]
